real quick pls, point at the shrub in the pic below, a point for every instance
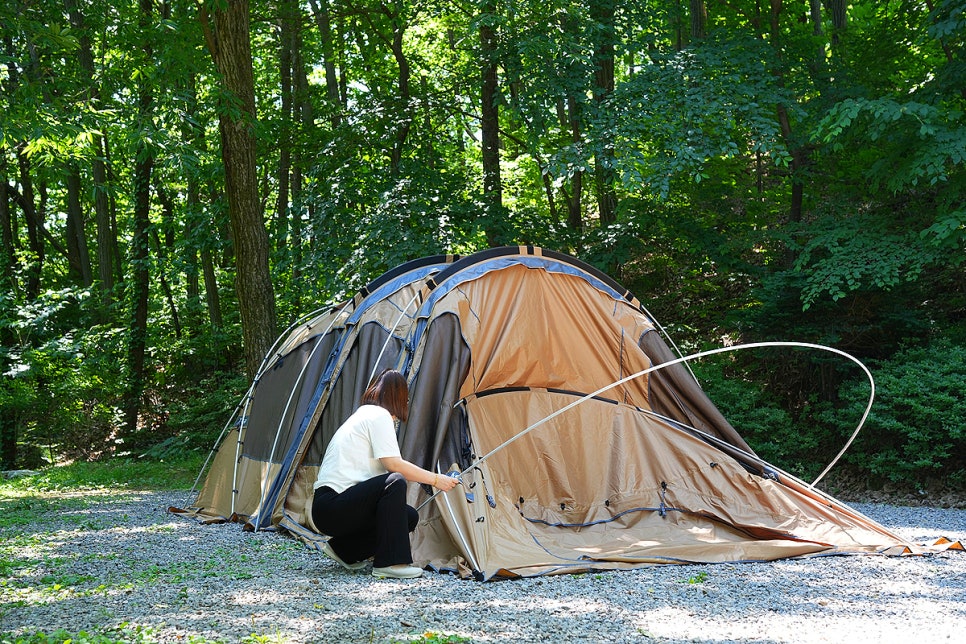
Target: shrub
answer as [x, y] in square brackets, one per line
[916, 432]
[762, 418]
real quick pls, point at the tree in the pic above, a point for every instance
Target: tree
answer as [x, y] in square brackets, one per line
[143, 163]
[490, 121]
[226, 28]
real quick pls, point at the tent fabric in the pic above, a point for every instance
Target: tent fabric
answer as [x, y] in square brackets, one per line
[503, 350]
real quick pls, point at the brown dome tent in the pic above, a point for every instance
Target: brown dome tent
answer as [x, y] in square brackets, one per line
[512, 356]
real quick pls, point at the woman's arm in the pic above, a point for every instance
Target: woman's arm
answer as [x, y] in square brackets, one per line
[416, 474]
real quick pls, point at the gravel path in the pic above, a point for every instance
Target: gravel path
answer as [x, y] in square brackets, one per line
[86, 562]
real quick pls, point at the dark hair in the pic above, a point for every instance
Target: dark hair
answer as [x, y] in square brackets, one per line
[389, 390]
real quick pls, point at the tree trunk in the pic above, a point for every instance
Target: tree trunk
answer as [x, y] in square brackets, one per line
[603, 13]
[212, 298]
[405, 119]
[163, 253]
[490, 125]
[35, 240]
[287, 21]
[322, 18]
[302, 106]
[699, 19]
[106, 239]
[143, 163]
[784, 121]
[9, 250]
[8, 416]
[575, 208]
[838, 9]
[102, 218]
[78, 258]
[227, 35]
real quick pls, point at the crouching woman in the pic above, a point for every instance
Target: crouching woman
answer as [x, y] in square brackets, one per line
[360, 492]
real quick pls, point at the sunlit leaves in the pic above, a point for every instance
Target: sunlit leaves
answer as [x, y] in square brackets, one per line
[715, 100]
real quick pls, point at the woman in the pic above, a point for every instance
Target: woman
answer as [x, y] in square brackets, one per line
[360, 493]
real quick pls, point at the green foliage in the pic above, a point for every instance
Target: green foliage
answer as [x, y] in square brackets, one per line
[197, 413]
[841, 257]
[385, 165]
[712, 101]
[916, 432]
[698, 578]
[432, 637]
[762, 417]
[931, 138]
[61, 381]
[123, 634]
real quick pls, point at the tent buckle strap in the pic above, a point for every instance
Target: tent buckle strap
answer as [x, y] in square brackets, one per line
[663, 509]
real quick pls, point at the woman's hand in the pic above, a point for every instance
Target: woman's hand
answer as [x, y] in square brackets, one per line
[444, 482]
[416, 474]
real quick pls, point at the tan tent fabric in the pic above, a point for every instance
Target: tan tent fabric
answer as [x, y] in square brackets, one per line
[512, 355]
[557, 511]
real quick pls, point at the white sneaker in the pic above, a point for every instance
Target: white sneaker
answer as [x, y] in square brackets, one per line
[330, 553]
[399, 571]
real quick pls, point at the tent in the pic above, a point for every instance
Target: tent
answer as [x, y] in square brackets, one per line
[538, 380]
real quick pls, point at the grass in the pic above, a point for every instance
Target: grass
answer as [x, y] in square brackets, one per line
[121, 635]
[137, 635]
[115, 474]
[30, 570]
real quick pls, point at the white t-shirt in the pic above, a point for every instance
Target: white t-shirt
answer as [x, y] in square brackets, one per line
[353, 453]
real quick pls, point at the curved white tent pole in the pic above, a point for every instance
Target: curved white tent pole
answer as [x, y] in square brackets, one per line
[271, 354]
[402, 314]
[694, 356]
[245, 399]
[291, 396]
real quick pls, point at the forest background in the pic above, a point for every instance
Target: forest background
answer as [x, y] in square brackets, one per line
[180, 180]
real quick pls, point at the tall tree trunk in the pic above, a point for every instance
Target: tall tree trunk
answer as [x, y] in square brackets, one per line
[302, 106]
[102, 219]
[143, 163]
[797, 151]
[287, 25]
[404, 120]
[9, 422]
[227, 34]
[7, 244]
[575, 198]
[320, 9]
[194, 136]
[78, 258]
[490, 125]
[838, 9]
[34, 234]
[602, 11]
[212, 298]
[164, 250]
[106, 239]
[699, 19]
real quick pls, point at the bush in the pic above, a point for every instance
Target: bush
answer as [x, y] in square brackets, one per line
[916, 432]
[762, 419]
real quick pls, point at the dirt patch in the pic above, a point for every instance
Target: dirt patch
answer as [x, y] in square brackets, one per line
[853, 488]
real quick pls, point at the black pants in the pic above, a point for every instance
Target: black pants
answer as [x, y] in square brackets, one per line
[370, 519]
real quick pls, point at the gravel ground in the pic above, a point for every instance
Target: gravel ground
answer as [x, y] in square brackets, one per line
[87, 562]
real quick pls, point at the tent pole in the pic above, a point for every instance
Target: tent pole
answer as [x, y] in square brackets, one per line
[375, 365]
[291, 395]
[456, 524]
[695, 356]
